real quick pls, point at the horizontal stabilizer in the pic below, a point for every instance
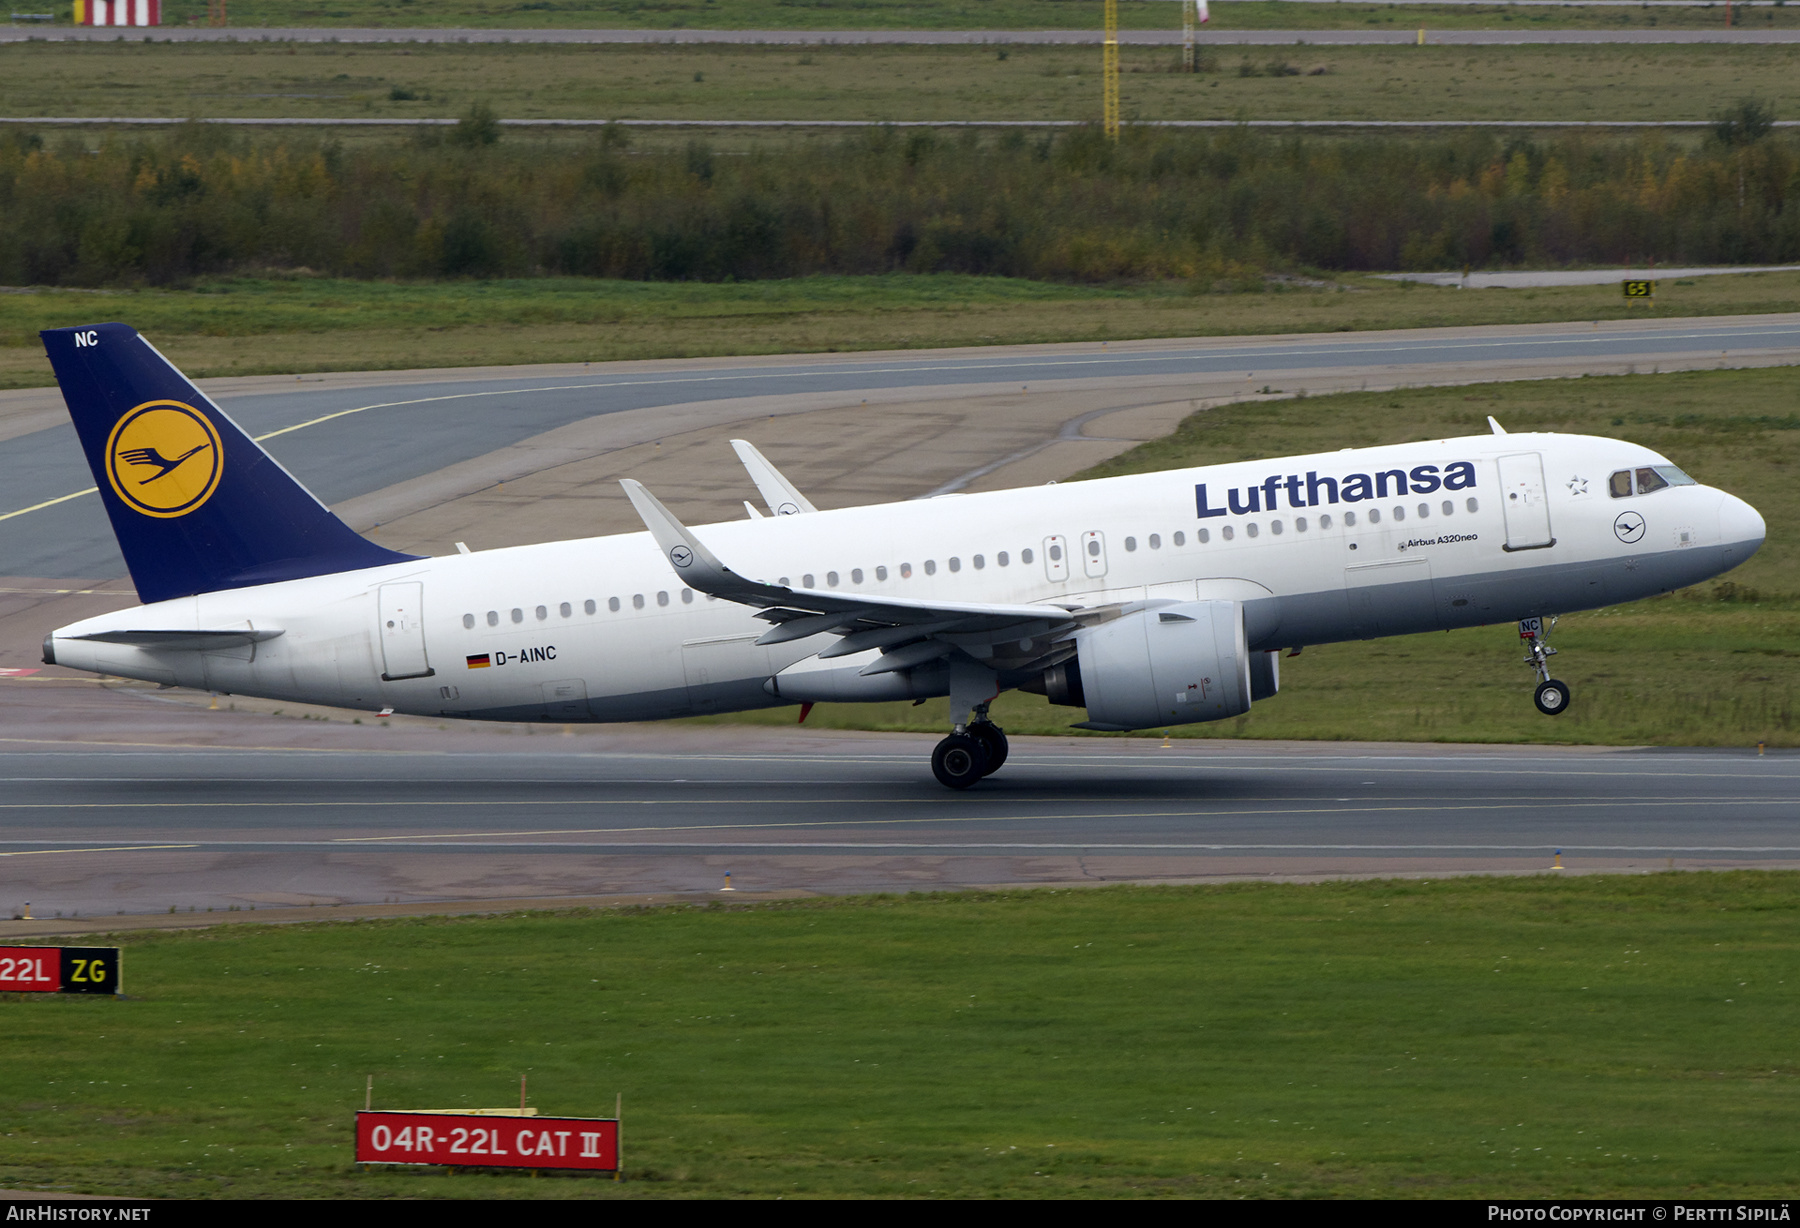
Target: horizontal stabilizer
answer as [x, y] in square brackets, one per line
[201, 641]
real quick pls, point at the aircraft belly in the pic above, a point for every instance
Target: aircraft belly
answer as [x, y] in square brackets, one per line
[1647, 575]
[634, 673]
[723, 672]
[638, 706]
[1393, 597]
[1306, 618]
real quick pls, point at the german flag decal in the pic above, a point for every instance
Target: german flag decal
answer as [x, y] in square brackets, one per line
[479, 662]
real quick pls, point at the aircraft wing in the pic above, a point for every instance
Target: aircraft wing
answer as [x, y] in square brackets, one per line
[908, 632]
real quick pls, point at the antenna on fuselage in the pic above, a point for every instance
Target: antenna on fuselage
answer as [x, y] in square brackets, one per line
[1495, 426]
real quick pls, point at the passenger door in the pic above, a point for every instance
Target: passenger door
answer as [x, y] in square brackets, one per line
[1525, 504]
[403, 631]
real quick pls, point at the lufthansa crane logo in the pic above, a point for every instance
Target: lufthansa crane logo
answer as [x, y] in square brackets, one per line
[681, 556]
[163, 459]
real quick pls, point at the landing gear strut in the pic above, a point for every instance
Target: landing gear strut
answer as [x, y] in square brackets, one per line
[1552, 697]
[972, 752]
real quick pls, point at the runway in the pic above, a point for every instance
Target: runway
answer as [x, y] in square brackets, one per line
[123, 800]
[411, 814]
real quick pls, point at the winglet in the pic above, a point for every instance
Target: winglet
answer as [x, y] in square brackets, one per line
[779, 493]
[698, 567]
[1495, 426]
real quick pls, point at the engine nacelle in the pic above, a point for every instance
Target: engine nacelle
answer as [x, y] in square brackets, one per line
[1177, 665]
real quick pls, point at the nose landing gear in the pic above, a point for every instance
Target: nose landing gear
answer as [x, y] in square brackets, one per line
[1552, 696]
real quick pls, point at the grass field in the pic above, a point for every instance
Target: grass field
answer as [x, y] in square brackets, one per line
[1538, 1037]
[291, 324]
[1715, 666]
[941, 15]
[891, 83]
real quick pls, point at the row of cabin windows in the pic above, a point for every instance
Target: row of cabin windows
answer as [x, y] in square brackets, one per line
[979, 562]
[955, 563]
[1154, 542]
[590, 606]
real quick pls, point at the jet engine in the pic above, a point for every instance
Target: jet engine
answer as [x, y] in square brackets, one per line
[1175, 665]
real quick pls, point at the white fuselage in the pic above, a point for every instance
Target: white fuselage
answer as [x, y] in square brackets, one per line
[602, 628]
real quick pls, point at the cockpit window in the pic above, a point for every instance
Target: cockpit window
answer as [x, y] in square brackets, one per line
[1650, 478]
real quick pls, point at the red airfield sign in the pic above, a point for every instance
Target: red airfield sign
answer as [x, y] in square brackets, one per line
[590, 1143]
[59, 969]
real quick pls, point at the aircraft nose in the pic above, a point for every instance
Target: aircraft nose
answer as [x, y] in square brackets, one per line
[1740, 524]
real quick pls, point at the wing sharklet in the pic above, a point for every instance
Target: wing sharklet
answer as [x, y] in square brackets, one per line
[782, 496]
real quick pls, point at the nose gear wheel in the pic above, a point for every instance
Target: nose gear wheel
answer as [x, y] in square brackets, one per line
[1552, 697]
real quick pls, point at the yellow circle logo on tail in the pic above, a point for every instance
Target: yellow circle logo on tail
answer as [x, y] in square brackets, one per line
[164, 459]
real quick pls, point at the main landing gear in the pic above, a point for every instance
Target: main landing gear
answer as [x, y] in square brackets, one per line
[1552, 697]
[976, 750]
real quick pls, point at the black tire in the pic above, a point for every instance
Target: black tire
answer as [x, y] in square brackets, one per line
[959, 761]
[993, 740]
[1552, 697]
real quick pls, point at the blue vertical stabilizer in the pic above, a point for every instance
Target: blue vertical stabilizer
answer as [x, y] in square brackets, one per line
[196, 504]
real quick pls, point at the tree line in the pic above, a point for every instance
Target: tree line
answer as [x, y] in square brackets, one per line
[1206, 206]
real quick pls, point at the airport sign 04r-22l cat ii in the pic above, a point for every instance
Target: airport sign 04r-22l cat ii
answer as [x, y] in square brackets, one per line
[1149, 600]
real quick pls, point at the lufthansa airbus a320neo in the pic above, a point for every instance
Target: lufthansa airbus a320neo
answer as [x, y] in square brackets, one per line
[1153, 600]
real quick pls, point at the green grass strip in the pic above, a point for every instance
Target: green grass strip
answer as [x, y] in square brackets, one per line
[1606, 1036]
